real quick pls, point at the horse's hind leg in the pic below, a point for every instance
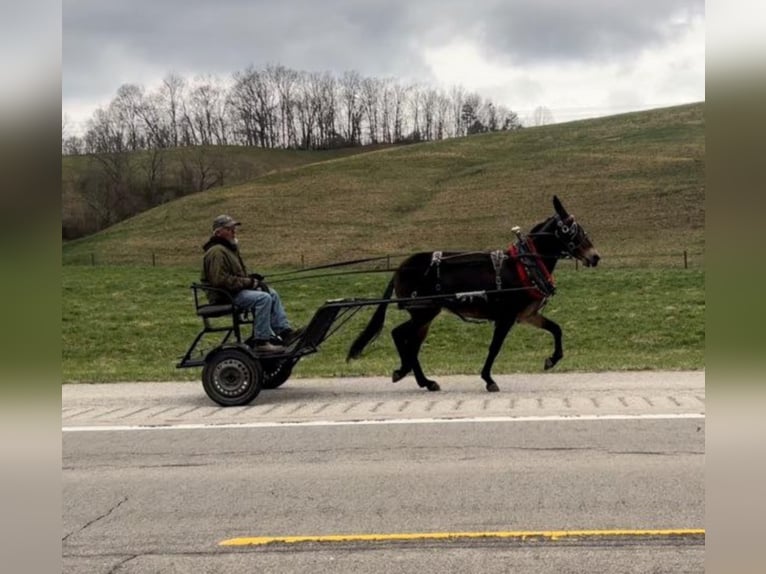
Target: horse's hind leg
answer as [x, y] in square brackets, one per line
[409, 337]
[401, 339]
[554, 329]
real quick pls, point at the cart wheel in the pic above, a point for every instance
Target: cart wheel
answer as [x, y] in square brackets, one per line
[232, 377]
[276, 372]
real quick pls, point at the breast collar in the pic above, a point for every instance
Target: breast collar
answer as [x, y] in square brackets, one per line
[532, 273]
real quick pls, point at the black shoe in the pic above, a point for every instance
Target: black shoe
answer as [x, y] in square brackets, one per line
[266, 346]
[289, 335]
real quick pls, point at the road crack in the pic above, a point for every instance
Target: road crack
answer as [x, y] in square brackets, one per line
[100, 517]
[119, 565]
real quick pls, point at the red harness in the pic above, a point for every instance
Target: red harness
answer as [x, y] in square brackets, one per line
[532, 273]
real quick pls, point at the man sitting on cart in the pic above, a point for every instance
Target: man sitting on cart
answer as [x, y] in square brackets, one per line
[223, 268]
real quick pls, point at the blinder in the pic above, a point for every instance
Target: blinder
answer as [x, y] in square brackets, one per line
[566, 232]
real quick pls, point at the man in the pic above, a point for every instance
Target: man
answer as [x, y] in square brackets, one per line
[223, 267]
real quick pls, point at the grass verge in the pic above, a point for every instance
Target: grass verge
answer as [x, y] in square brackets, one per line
[133, 323]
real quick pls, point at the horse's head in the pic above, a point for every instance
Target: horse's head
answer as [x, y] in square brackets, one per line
[573, 238]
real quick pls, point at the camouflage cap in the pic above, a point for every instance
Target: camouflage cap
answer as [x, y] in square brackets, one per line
[224, 221]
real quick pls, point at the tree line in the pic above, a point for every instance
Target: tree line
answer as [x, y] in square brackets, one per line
[281, 108]
[276, 107]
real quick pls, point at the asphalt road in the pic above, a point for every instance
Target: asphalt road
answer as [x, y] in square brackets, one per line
[156, 477]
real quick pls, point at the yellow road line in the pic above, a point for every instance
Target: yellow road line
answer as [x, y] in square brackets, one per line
[513, 535]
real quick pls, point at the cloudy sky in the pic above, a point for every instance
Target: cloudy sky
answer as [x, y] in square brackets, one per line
[578, 58]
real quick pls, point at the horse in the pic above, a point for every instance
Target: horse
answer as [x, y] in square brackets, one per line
[504, 287]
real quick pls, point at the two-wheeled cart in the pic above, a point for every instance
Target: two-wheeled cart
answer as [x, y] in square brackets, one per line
[233, 372]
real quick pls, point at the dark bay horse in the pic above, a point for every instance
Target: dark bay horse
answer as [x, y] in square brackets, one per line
[503, 286]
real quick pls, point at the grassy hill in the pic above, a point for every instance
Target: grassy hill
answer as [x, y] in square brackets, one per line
[635, 181]
[180, 173]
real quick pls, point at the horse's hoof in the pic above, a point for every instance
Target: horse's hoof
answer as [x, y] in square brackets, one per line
[397, 376]
[492, 387]
[550, 363]
[433, 386]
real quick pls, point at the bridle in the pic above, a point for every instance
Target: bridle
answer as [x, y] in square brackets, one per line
[568, 233]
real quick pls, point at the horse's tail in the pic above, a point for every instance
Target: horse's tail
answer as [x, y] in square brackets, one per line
[373, 328]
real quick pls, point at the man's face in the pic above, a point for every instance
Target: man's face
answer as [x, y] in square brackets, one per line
[228, 233]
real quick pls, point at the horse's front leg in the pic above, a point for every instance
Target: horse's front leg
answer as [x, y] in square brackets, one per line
[554, 329]
[502, 326]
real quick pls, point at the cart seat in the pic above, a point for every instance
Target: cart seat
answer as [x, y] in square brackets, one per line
[215, 310]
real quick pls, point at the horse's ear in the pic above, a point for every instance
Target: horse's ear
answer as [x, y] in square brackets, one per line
[559, 207]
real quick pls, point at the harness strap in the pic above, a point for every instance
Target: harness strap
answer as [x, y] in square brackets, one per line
[436, 259]
[548, 284]
[498, 257]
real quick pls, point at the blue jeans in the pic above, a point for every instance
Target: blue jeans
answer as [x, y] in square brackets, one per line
[269, 315]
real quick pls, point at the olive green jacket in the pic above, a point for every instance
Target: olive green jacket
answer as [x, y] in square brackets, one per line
[222, 267]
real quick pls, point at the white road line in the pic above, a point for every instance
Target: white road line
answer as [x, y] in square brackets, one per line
[330, 423]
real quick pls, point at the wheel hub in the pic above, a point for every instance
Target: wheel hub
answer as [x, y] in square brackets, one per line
[231, 377]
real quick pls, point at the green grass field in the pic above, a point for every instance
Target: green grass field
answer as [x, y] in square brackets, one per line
[133, 323]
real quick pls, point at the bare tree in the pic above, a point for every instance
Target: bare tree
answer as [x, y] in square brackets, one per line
[202, 167]
[371, 95]
[307, 108]
[107, 146]
[266, 109]
[327, 110]
[170, 96]
[542, 116]
[351, 102]
[508, 120]
[416, 109]
[285, 82]
[127, 105]
[386, 110]
[430, 113]
[71, 143]
[400, 97]
[243, 103]
[469, 115]
[206, 112]
[442, 116]
[458, 99]
[65, 130]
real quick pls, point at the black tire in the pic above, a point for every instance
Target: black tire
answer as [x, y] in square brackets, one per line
[232, 378]
[276, 372]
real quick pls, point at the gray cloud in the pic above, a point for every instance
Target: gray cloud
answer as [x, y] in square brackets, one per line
[527, 31]
[108, 43]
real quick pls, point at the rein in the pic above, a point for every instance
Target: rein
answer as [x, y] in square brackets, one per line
[331, 265]
[320, 275]
[528, 260]
[301, 277]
